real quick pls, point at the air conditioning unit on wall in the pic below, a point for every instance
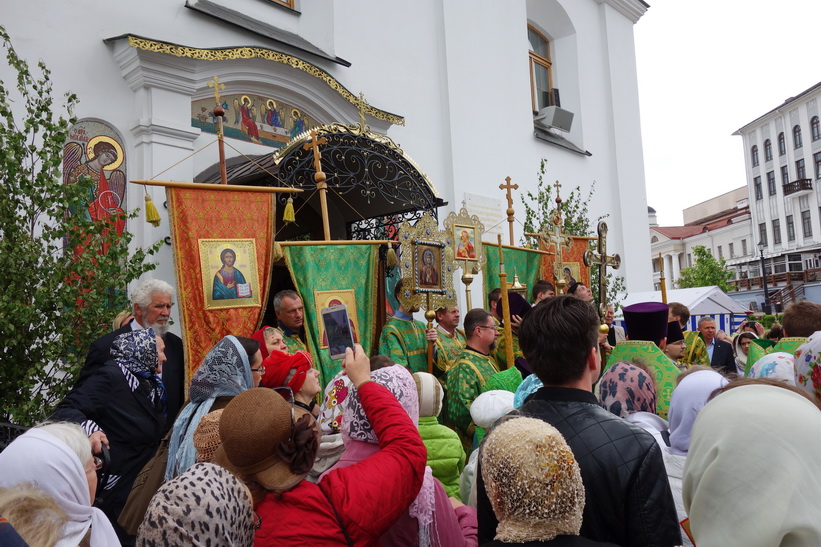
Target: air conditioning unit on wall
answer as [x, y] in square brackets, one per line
[555, 117]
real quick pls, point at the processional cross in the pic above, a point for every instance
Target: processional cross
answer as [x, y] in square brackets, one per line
[507, 186]
[319, 178]
[219, 112]
[603, 260]
[558, 239]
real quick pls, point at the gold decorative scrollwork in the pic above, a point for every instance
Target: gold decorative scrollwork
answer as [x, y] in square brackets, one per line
[223, 54]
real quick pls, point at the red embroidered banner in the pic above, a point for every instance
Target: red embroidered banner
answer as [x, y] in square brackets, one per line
[222, 244]
[573, 260]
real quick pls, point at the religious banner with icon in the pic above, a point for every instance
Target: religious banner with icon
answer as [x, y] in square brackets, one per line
[525, 263]
[572, 267]
[222, 245]
[326, 273]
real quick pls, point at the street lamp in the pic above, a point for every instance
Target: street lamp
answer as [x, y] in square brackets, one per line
[764, 278]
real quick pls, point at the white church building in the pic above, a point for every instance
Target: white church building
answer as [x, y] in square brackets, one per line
[473, 91]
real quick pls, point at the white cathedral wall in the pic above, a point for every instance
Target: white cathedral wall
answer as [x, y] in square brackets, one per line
[457, 71]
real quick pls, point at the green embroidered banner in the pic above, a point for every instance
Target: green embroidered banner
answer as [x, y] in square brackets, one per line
[326, 275]
[527, 264]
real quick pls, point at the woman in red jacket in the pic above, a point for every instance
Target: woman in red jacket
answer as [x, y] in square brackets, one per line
[272, 446]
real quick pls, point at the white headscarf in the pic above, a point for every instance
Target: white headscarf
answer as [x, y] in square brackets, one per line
[752, 474]
[688, 398]
[40, 457]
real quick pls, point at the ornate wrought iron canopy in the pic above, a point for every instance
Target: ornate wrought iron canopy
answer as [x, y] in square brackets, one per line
[373, 185]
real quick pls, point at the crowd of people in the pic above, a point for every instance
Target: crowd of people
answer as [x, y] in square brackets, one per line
[643, 435]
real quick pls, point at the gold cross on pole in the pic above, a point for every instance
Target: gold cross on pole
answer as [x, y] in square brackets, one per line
[558, 186]
[558, 240]
[507, 186]
[215, 83]
[319, 178]
[360, 105]
[600, 258]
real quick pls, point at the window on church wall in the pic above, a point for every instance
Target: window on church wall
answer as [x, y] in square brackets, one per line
[768, 150]
[754, 155]
[757, 185]
[762, 233]
[541, 77]
[794, 263]
[800, 172]
[771, 183]
[782, 144]
[689, 260]
[816, 159]
[796, 137]
[776, 232]
[815, 128]
[743, 247]
[720, 253]
[790, 228]
[732, 253]
[785, 174]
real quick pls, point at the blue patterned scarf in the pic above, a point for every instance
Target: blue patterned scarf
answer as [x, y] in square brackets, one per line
[136, 354]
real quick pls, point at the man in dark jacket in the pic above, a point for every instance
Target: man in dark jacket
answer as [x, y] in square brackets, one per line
[628, 496]
[152, 300]
[720, 352]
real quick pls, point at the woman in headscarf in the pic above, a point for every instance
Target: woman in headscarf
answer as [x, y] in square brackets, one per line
[204, 506]
[534, 485]
[752, 474]
[296, 372]
[740, 345]
[431, 519]
[779, 366]
[628, 390]
[807, 369]
[271, 444]
[689, 397]
[270, 339]
[122, 406]
[57, 458]
[227, 370]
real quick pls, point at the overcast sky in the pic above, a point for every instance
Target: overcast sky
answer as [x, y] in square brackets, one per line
[705, 69]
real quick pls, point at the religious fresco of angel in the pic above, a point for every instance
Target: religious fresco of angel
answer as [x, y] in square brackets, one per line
[94, 149]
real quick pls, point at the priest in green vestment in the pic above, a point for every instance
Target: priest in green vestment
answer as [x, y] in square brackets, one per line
[470, 373]
[800, 321]
[646, 325]
[695, 352]
[451, 340]
[405, 340]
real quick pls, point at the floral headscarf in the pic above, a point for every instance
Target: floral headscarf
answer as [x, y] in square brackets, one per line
[399, 381]
[224, 372]
[778, 365]
[625, 389]
[807, 369]
[136, 354]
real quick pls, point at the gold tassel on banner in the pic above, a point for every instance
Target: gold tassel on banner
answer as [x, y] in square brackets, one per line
[391, 260]
[288, 215]
[152, 216]
[277, 253]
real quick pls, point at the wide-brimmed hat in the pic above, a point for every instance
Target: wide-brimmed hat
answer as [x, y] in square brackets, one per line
[252, 428]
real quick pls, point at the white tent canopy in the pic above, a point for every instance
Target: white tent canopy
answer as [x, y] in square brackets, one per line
[700, 300]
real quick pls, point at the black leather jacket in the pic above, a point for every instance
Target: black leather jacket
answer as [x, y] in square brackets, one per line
[628, 498]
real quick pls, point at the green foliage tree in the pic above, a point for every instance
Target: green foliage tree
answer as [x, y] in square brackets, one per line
[705, 271]
[540, 207]
[64, 276]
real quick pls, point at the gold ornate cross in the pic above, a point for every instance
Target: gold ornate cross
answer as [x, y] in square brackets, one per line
[507, 186]
[215, 83]
[314, 145]
[319, 178]
[603, 260]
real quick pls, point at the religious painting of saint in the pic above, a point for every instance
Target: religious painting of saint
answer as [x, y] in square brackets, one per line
[94, 150]
[465, 238]
[325, 299]
[570, 272]
[229, 273]
[428, 265]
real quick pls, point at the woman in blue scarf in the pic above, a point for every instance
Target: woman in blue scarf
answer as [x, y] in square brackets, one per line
[122, 406]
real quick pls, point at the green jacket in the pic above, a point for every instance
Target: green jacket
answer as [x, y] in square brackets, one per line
[445, 455]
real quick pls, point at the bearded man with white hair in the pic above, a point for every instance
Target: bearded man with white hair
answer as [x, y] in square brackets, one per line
[152, 300]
